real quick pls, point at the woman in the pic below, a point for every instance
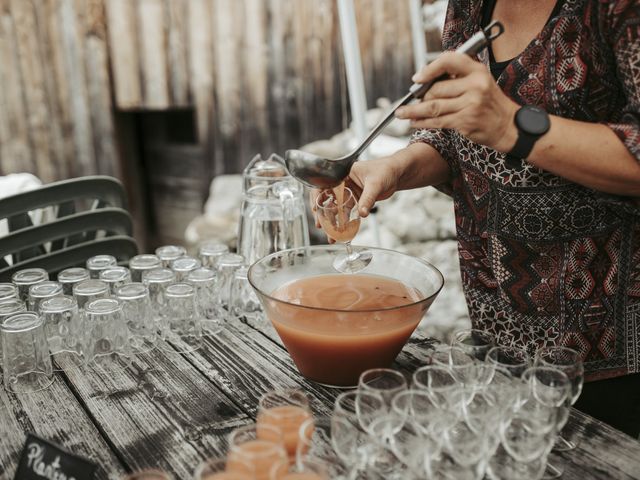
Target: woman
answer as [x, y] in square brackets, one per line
[538, 143]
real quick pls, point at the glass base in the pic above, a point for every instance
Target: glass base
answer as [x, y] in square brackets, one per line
[28, 382]
[352, 263]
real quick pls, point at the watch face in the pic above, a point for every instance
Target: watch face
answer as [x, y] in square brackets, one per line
[533, 120]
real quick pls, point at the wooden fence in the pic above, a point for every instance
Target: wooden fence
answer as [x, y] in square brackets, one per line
[259, 76]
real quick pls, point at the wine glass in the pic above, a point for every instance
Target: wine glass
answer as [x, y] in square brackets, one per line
[340, 220]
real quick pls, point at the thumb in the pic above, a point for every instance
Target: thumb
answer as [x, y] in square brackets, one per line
[368, 198]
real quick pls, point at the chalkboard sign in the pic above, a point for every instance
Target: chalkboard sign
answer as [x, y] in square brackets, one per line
[41, 459]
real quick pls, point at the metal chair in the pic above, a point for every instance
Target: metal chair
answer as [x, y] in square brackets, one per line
[90, 219]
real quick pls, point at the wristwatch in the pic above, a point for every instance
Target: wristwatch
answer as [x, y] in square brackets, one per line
[532, 122]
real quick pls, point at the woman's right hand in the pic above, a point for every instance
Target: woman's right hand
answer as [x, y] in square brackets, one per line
[373, 180]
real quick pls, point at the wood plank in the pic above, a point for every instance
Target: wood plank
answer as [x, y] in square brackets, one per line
[94, 36]
[73, 55]
[54, 414]
[602, 452]
[37, 112]
[15, 145]
[123, 48]
[61, 97]
[158, 412]
[177, 53]
[245, 364]
[200, 62]
[153, 42]
[58, 151]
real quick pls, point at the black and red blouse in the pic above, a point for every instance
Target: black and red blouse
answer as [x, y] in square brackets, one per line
[545, 261]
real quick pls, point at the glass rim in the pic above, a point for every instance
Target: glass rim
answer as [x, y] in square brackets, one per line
[15, 301]
[30, 321]
[427, 368]
[198, 275]
[427, 298]
[8, 286]
[231, 260]
[50, 287]
[559, 349]
[166, 252]
[144, 261]
[525, 361]
[41, 272]
[179, 290]
[101, 261]
[212, 249]
[185, 264]
[201, 473]
[158, 275]
[473, 331]
[92, 286]
[236, 447]
[110, 274]
[65, 302]
[395, 373]
[103, 306]
[345, 200]
[337, 405]
[132, 291]
[73, 275]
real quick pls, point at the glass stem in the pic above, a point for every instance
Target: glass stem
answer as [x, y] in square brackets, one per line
[350, 254]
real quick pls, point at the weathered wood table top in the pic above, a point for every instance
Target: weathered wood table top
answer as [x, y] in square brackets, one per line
[171, 410]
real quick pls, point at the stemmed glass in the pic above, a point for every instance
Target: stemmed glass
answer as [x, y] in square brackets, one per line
[340, 220]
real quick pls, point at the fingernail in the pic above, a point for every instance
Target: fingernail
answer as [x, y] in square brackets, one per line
[415, 77]
[400, 112]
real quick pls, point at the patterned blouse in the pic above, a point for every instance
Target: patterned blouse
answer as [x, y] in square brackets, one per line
[545, 261]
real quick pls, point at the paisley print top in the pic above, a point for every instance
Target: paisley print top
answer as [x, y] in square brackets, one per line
[545, 261]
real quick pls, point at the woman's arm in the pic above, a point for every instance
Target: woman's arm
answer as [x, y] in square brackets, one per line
[418, 165]
[472, 103]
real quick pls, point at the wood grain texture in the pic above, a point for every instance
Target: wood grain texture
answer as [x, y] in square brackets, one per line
[158, 411]
[123, 50]
[54, 414]
[153, 43]
[177, 52]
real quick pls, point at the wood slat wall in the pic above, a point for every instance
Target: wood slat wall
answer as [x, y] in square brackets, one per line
[260, 75]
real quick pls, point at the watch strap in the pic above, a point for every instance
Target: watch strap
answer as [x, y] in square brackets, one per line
[522, 148]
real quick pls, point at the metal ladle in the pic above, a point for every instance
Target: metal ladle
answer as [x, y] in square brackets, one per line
[318, 172]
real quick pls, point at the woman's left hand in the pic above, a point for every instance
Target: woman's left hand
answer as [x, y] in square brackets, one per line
[469, 101]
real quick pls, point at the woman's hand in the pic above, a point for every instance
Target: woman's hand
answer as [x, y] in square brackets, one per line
[470, 102]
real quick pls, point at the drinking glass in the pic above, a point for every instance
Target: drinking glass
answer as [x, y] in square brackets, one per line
[286, 411]
[315, 441]
[386, 383]
[63, 326]
[107, 333]
[169, 253]
[462, 366]
[181, 318]
[23, 279]
[340, 220]
[568, 361]
[210, 252]
[98, 263]
[10, 307]
[148, 475]
[26, 360]
[260, 446]
[7, 291]
[183, 266]
[89, 290]
[136, 307]
[354, 426]
[243, 301]
[228, 263]
[310, 469]
[115, 277]
[511, 360]
[157, 281]
[216, 468]
[438, 382]
[503, 466]
[42, 291]
[475, 343]
[142, 263]
[70, 276]
[205, 282]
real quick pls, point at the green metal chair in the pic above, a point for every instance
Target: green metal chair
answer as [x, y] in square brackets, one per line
[90, 219]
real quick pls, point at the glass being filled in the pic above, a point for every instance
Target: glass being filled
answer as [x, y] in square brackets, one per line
[337, 211]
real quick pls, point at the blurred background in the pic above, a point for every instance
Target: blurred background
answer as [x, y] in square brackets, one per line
[175, 97]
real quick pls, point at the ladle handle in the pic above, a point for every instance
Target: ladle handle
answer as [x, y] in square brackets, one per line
[471, 47]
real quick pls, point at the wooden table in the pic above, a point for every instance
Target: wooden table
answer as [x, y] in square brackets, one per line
[172, 410]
